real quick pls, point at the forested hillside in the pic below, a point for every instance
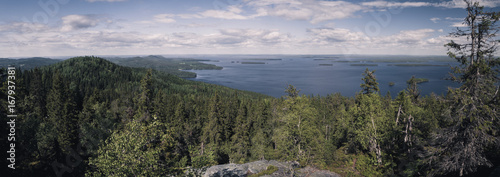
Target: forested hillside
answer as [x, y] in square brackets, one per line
[74, 105]
[27, 63]
[175, 66]
[86, 116]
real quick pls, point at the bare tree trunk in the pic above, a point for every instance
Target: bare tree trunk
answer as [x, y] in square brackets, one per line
[202, 148]
[378, 151]
[399, 113]
[472, 22]
[408, 133]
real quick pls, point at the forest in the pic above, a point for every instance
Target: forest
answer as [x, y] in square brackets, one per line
[86, 116]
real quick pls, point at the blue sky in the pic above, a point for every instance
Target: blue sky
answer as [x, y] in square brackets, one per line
[143, 27]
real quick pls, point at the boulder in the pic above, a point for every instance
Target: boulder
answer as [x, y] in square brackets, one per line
[284, 169]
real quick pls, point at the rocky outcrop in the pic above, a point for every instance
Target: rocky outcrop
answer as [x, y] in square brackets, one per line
[313, 172]
[283, 169]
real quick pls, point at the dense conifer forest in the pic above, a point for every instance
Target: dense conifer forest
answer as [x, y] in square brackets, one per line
[86, 116]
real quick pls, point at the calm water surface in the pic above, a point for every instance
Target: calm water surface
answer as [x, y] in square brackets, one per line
[325, 74]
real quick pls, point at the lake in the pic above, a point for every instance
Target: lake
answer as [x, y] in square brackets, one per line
[325, 74]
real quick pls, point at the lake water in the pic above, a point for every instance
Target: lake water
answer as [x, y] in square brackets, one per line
[325, 74]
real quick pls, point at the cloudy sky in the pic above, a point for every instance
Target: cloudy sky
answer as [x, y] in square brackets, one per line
[143, 27]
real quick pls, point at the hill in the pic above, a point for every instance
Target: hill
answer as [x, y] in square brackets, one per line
[27, 63]
[175, 66]
[82, 101]
[87, 116]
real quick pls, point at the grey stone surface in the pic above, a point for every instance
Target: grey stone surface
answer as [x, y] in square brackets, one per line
[284, 169]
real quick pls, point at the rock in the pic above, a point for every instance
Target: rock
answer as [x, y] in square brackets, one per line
[312, 172]
[284, 169]
[236, 170]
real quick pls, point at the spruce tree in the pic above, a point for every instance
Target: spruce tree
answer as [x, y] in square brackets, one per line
[143, 99]
[370, 84]
[61, 113]
[463, 146]
[412, 88]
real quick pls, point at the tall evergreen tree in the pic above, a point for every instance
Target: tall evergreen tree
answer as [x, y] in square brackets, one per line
[61, 111]
[463, 146]
[143, 99]
[370, 84]
[412, 88]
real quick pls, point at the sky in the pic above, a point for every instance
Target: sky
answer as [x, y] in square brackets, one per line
[30, 28]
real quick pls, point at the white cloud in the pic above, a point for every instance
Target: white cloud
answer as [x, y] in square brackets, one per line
[435, 20]
[447, 4]
[250, 38]
[335, 35]
[451, 18]
[105, 0]
[232, 13]
[23, 27]
[314, 11]
[77, 22]
[455, 22]
[444, 39]
[408, 37]
[462, 4]
[409, 42]
[458, 24]
[164, 18]
[385, 4]
[310, 10]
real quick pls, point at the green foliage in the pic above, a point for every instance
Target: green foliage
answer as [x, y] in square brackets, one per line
[168, 65]
[138, 122]
[472, 114]
[413, 87]
[370, 84]
[207, 159]
[27, 63]
[366, 165]
[296, 138]
[137, 150]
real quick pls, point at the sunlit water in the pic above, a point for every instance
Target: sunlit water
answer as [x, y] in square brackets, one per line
[325, 74]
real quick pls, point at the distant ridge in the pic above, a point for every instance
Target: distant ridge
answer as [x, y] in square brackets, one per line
[27, 63]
